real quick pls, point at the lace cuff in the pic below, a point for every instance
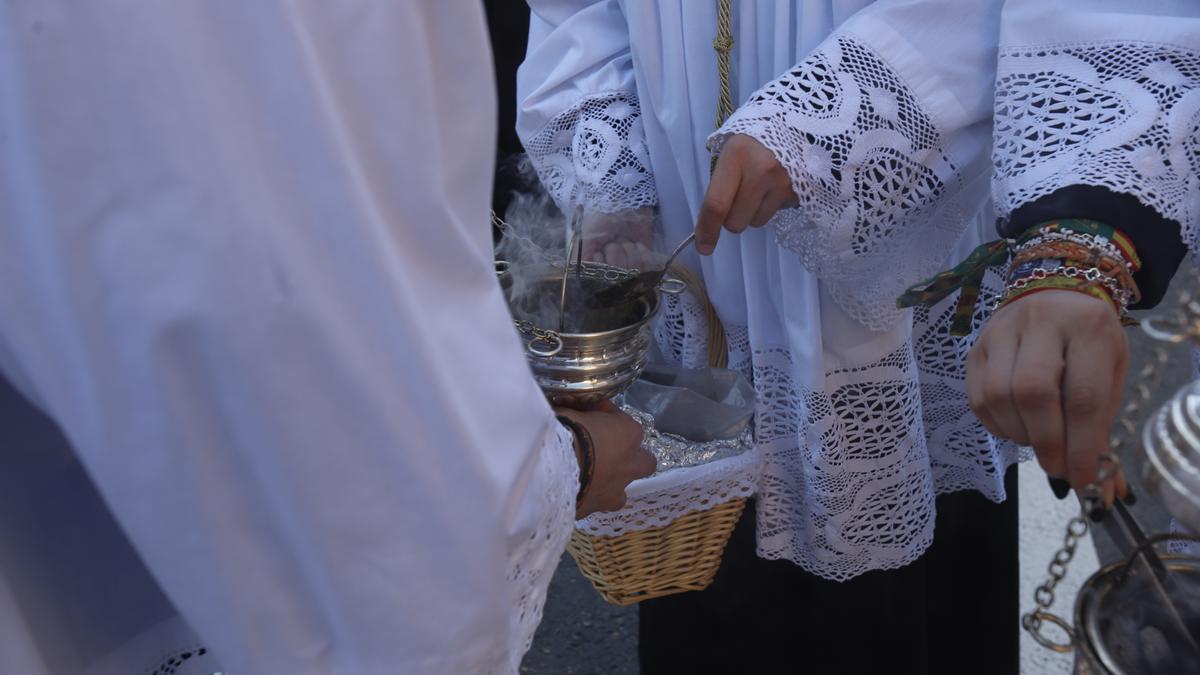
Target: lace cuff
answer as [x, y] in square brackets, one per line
[882, 201]
[595, 153]
[533, 560]
[1123, 115]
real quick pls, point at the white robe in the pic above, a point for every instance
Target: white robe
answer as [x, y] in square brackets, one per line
[245, 265]
[859, 428]
[882, 113]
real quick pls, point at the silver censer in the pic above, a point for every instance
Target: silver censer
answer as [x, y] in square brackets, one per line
[1141, 615]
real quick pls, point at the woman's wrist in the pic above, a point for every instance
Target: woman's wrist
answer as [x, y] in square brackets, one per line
[1083, 256]
[585, 453]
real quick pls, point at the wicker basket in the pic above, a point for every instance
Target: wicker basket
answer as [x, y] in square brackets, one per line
[681, 556]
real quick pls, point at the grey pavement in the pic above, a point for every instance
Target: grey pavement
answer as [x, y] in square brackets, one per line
[581, 634]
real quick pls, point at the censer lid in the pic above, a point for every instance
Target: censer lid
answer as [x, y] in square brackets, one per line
[1170, 456]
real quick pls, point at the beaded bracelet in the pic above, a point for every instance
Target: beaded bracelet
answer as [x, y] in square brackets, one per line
[1116, 276]
[1094, 245]
[587, 454]
[1078, 244]
[1070, 271]
[1084, 257]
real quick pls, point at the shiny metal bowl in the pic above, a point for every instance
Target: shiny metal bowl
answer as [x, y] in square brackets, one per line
[582, 368]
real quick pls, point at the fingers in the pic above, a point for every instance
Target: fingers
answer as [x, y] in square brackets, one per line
[614, 254]
[593, 249]
[1092, 360]
[633, 258]
[717, 202]
[748, 187]
[774, 200]
[640, 257]
[997, 387]
[636, 462]
[746, 204]
[1036, 391]
[646, 464]
[1118, 388]
[612, 502]
[976, 376]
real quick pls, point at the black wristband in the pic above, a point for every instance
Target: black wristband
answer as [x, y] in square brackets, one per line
[587, 454]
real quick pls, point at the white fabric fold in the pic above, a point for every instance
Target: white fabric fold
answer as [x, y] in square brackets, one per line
[245, 265]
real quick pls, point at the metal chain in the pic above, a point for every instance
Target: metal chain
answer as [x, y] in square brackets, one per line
[528, 328]
[1183, 324]
[552, 339]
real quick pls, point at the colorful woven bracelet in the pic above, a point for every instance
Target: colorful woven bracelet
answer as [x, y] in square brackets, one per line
[1082, 255]
[1093, 228]
[1101, 241]
[1093, 245]
[1058, 283]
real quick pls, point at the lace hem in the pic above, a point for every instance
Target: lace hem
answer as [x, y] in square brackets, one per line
[882, 202]
[1121, 115]
[851, 467]
[595, 153]
[532, 562]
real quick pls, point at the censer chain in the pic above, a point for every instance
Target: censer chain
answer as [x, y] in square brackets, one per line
[1182, 326]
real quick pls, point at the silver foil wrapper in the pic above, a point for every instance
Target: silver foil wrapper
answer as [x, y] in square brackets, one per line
[676, 452]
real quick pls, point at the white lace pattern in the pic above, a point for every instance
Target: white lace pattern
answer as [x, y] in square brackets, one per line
[661, 499]
[1121, 115]
[595, 153]
[882, 202]
[851, 470]
[532, 562]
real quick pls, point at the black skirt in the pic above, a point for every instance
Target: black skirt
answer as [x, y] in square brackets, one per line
[955, 610]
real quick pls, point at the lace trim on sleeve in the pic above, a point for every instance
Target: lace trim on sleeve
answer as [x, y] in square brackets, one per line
[532, 562]
[882, 199]
[595, 153]
[1121, 115]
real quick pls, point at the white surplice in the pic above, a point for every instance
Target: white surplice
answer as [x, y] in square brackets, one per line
[860, 427]
[882, 112]
[245, 266]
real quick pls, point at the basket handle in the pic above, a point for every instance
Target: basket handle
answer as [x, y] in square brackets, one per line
[718, 345]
